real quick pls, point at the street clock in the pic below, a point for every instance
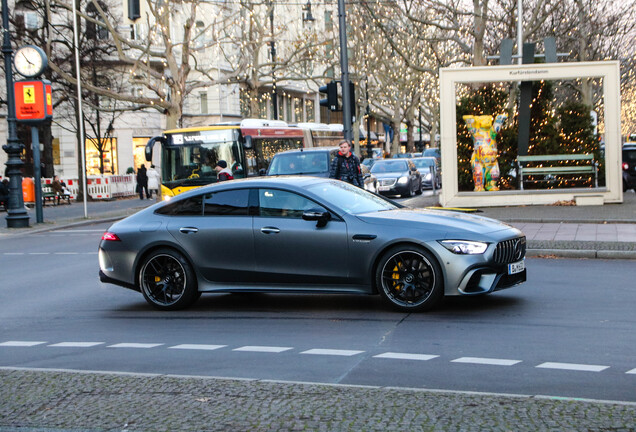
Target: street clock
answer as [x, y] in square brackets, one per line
[30, 61]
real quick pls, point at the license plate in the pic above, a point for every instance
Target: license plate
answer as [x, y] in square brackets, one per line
[384, 188]
[517, 267]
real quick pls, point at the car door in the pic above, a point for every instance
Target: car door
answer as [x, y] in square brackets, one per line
[290, 250]
[218, 239]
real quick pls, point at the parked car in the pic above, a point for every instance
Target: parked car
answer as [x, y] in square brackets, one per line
[629, 167]
[424, 165]
[313, 161]
[397, 177]
[310, 235]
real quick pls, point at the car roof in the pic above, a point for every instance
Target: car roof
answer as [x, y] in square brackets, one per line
[292, 181]
[309, 149]
[431, 158]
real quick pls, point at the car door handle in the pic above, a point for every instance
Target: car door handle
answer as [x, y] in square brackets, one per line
[189, 230]
[270, 230]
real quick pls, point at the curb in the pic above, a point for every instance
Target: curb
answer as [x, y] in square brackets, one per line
[581, 253]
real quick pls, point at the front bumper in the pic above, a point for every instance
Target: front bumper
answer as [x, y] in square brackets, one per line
[483, 280]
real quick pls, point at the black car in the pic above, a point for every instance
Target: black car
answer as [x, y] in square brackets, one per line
[315, 162]
[629, 167]
[397, 177]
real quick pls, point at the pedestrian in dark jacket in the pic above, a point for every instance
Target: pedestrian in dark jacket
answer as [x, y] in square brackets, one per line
[142, 182]
[346, 166]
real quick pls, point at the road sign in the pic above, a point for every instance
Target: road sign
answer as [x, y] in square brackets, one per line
[33, 101]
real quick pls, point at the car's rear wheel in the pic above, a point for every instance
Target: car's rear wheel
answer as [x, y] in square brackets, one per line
[409, 279]
[167, 280]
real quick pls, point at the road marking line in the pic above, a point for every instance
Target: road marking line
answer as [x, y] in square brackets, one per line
[633, 371]
[79, 231]
[197, 347]
[21, 343]
[76, 344]
[334, 352]
[405, 356]
[39, 253]
[135, 345]
[270, 349]
[14, 253]
[65, 253]
[486, 361]
[573, 366]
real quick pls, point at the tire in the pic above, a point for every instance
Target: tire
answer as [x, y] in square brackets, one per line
[409, 279]
[409, 193]
[167, 281]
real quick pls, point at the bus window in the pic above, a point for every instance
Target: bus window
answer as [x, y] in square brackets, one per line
[264, 149]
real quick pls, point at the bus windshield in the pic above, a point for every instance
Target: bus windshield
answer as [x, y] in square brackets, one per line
[189, 158]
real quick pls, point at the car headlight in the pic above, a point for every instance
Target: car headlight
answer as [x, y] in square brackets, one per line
[403, 180]
[427, 176]
[463, 247]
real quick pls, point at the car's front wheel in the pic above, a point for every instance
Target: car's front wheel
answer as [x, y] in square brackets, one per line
[167, 281]
[409, 279]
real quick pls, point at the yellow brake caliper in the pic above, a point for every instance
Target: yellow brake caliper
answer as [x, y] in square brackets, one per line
[396, 278]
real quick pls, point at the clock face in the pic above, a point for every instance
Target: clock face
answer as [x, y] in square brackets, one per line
[30, 61]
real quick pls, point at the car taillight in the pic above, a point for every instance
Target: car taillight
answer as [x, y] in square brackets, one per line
[109, 236]
[625, 166]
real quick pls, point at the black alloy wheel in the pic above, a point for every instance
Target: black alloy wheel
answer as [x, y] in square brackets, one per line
[409, 279]
[167, 281]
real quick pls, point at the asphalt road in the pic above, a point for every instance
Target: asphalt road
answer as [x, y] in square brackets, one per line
[568, 331]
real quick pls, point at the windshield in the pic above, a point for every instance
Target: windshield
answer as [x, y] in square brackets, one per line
[349, 198]
[299, 163]
[423, 163]
[190, 157]
[389, 166]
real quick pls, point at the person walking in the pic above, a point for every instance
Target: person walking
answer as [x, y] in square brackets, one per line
[346, 166]
[153, 180]
[222, 171]
[142, 182]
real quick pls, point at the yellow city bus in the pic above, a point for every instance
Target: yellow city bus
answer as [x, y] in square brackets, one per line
[188, 156]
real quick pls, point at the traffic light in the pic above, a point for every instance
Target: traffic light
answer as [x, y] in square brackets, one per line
[331, 89]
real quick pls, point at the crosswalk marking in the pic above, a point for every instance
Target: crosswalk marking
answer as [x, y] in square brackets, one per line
[573, 367]
[316, 351]
[197, 347]
[76, 344]
[486, 361]
[333, 352]
[135, 345]
[405, 356]
[21, 343]
[270, 349]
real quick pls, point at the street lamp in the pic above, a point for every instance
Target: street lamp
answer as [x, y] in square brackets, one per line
[17, 216]
[307, 15]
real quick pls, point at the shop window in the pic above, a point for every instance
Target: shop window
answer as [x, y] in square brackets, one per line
[139, 150]
[109, 156]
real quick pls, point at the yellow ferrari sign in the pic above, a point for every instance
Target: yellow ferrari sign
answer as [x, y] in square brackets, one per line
[29, 94]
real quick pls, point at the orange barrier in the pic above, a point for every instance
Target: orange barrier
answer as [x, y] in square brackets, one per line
[28, 190]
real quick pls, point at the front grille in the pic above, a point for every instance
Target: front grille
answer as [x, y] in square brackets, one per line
[387, 182]
[509, 251]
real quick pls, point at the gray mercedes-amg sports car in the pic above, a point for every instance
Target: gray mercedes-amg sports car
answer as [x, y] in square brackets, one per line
[307, 234]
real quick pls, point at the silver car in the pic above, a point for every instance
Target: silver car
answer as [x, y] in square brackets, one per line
[306, 234]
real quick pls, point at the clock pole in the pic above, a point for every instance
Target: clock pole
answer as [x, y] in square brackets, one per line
[17, 216]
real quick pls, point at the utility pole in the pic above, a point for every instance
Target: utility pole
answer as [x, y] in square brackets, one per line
[344, 66]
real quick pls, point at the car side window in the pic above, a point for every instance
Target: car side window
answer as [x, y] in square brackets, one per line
[278, 203]
[227, 203]
[186, 207]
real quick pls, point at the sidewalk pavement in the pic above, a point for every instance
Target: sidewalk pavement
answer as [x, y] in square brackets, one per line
[607, 231]
[65, 401]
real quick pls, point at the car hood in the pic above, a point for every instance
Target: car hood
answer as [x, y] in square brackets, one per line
[449, 222]
[394, 174]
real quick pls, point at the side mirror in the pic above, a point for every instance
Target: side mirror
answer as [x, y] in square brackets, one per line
[150, 144]
[262, 172]
[248, 142]
[321, 217]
